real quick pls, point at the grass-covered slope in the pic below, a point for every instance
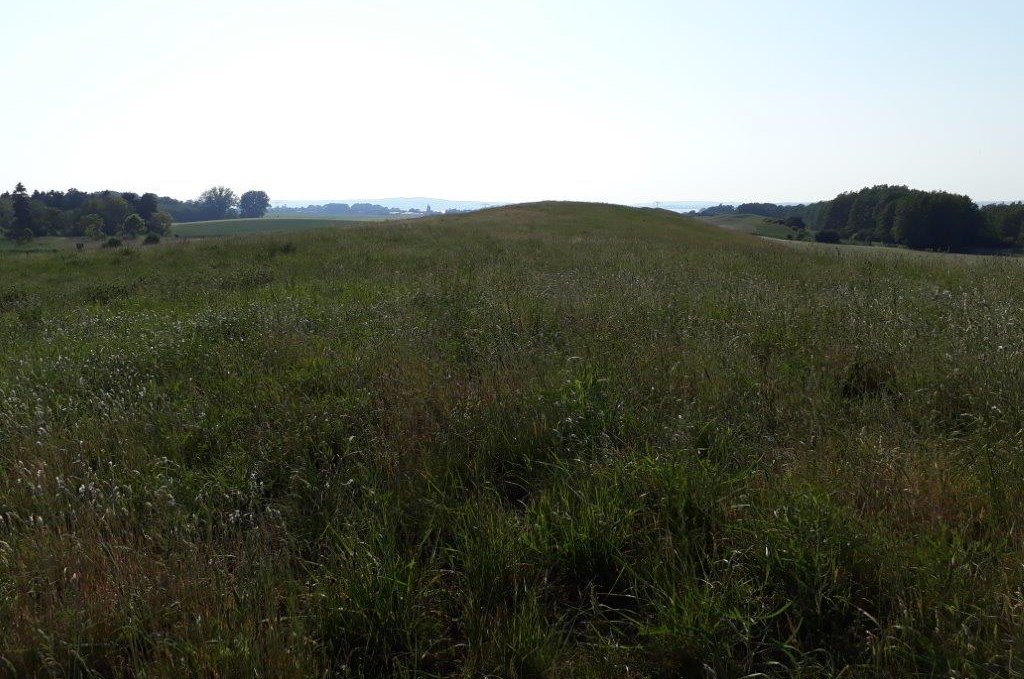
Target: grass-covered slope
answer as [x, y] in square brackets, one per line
[550, 440]
[755, 224]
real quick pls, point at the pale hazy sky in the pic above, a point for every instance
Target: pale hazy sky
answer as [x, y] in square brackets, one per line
[620, 101]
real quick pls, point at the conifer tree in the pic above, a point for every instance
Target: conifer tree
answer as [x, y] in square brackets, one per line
[21, 227]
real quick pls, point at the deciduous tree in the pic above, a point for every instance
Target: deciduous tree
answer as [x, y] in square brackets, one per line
[253, 204]
[133, 225]
[217, 202]
[159, 223]
[147, 205]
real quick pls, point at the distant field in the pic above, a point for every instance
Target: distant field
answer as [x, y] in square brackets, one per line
[47, 244]
[753, 224]
[229, 227]
[350, 218]
[861, 251]
[549, 440]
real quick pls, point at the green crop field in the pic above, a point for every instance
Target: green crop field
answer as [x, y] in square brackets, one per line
[230, 227]
[754, 224]
[551, 440]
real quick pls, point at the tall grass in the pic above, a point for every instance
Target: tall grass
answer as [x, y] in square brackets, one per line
[550, 440]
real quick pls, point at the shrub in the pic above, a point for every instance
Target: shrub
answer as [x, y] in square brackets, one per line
[133, 226]
[151, 239]
[159, 223]
[90, 226]
[827, 236]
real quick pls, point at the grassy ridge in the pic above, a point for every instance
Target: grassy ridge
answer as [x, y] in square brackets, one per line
[548, 440]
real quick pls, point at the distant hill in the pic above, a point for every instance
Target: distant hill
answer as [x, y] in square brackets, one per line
[685, 205]
[442, 204]
[417, 203]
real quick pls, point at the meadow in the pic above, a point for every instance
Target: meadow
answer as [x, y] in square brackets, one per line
[550, 440]
[754, 224]
[232, 227]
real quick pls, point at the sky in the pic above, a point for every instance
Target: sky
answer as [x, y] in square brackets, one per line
[629, 101]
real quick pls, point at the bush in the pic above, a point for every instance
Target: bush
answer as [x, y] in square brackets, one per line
[112, 242]
[159, 223]
[827, 236]
[133, 226]
[90, 226]
[151, 239]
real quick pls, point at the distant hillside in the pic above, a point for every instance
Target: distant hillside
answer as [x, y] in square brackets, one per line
[404, 204]
[685, 205]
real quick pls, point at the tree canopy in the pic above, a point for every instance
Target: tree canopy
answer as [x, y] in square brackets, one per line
[253, 204]
[218, 202]
[21, 222]
[76, 213]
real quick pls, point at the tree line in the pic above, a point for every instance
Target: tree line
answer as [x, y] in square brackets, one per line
[935, 220]
[337, 210]
[75, 213]
[218, 202]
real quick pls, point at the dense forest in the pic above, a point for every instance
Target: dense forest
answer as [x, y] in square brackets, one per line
[75, 213]
[899, 215]
[24, 216]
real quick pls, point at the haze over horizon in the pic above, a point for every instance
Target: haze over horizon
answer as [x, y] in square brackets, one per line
[657, 101]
